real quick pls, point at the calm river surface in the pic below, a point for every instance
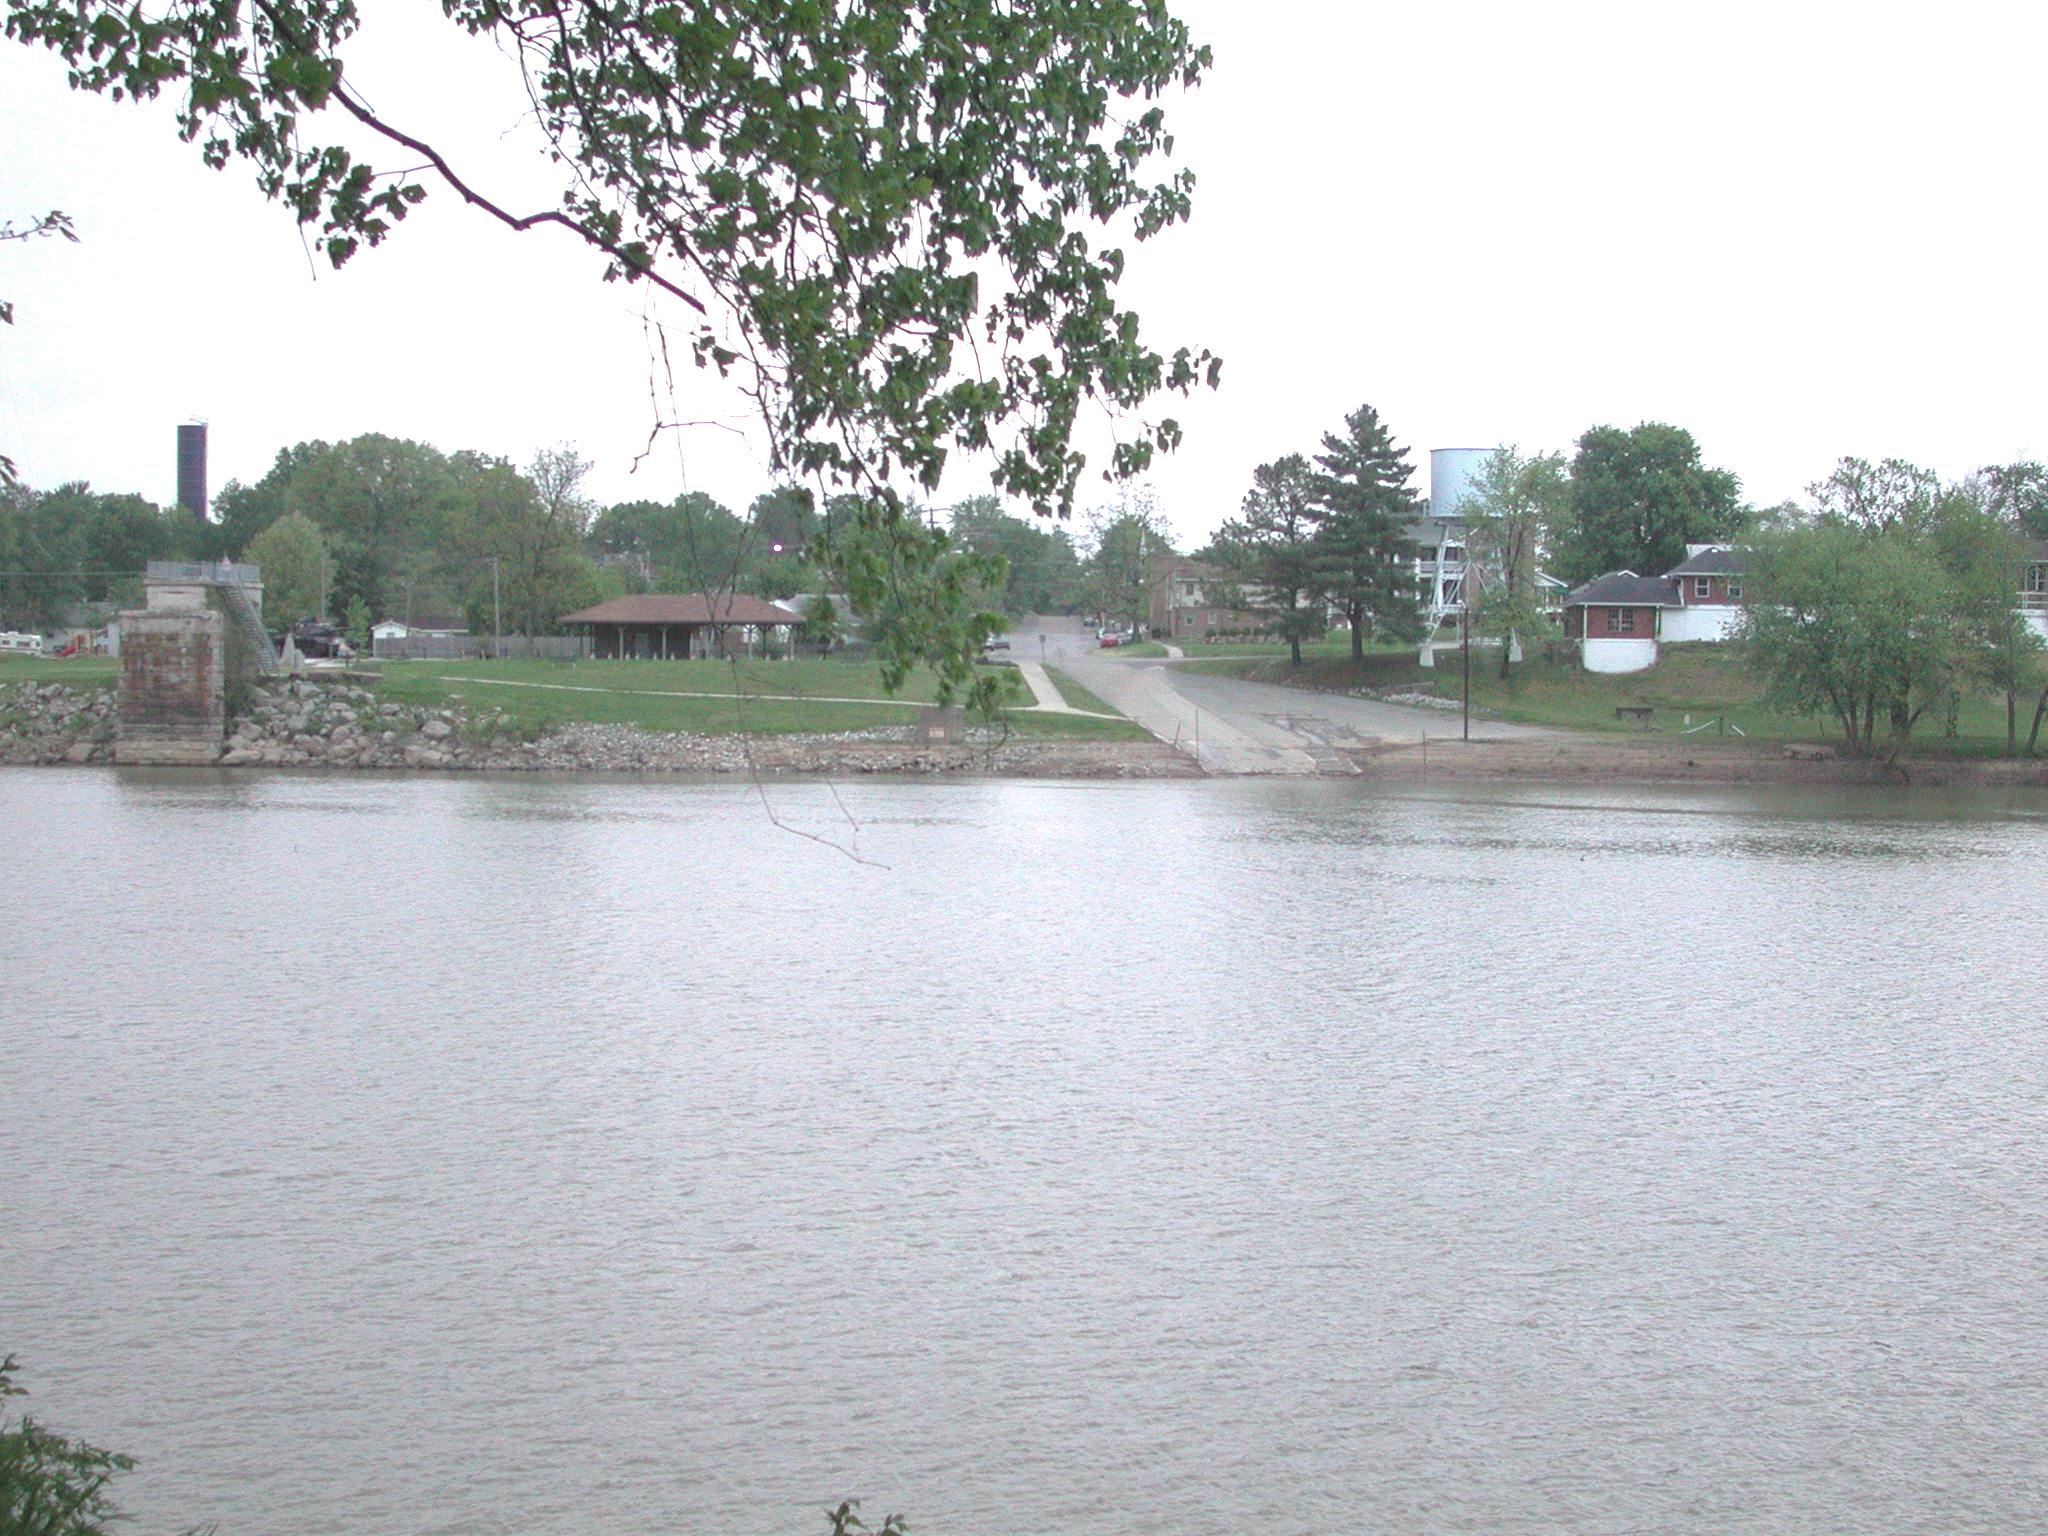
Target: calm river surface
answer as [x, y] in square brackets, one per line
[448, 1155]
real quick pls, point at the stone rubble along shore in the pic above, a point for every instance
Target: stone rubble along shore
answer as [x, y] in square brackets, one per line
[54, 723]
[307, 725]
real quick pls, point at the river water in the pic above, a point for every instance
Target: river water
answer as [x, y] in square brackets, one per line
[438, 1155]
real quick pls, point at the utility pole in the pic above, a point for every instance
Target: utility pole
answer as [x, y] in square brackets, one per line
[1465, 625]
[497, 624]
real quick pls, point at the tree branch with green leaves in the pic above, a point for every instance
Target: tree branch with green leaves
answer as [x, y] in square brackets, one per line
[852, 200]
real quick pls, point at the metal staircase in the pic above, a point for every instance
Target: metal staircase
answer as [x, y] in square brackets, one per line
[252, 625]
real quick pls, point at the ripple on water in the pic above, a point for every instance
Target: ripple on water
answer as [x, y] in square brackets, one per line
[470, 1155]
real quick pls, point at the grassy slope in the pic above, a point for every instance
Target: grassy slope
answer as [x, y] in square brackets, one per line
[1118, 729]
[1077, 696]
[1705, 681]
[640, 694]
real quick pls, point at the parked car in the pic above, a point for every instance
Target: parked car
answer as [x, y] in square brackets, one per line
[1110, 640]
[996, 643]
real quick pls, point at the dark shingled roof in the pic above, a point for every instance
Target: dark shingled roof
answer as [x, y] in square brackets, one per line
[1717, 561]
[684, 608]
[1628, 589]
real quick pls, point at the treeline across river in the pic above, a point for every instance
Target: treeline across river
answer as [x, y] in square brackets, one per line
[380, 527]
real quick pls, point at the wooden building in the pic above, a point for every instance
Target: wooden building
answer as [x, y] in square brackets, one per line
[679, 626]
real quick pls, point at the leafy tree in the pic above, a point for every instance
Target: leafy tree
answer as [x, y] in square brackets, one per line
[1128, 540]
[785, 519]
[74, 544]
[1640, 496]
[1272, 545]
[381, 503]
[51, 1485]
[701, 546]
[1043, 571]
[1986, 556]
[2019, 493]
[916, 596]
[1367, 506]
[527, 531]
[1517, 503]
[1880, 498]
[356, 623]
[294, 561]
[847, 193]
[121, 534]
[1895, 597]
[822, 626]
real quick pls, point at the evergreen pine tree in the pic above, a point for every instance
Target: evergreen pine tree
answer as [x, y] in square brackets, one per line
[1362, 488]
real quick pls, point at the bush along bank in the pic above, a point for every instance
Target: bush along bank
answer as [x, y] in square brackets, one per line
[302, 724]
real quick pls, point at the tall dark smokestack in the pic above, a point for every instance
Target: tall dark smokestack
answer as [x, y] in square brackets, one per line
[192, 468]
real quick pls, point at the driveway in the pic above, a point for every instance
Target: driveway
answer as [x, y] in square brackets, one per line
[1233, 726]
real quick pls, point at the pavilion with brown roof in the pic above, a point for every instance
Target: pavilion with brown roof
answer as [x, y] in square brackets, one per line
[660, 626]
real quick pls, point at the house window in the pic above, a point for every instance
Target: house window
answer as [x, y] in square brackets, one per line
[2037, 578]
[1734, 590]
[1624, 620]
[1703, 586]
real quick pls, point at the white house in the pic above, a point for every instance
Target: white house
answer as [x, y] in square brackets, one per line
[1709, 594]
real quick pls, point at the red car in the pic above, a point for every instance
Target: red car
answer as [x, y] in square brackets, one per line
[1109, 640]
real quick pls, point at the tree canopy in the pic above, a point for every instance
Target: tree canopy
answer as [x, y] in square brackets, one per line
[1896, 597]
[1517, 503]
[1271, 545]
[879, 213]
[1639, 497]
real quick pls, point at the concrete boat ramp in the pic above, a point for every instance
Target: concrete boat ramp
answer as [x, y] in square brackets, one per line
[1231, 726]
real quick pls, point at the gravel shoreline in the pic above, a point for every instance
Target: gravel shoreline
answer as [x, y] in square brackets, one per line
[312, 726]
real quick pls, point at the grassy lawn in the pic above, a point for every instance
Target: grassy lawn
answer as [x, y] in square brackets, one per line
[1076, 728]
[1708, 682]
[79, 671]
[1077, 696]
[649, 695]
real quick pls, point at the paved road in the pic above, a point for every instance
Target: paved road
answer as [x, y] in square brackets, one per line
[1232, 726]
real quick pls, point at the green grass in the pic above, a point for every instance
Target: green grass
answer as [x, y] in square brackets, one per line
[645, 695]
[1076, 696]
[1075, 727]
[80, 671]
[1708, 682]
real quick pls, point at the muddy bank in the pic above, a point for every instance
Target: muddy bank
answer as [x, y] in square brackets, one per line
[342, 727]
[1588, 759]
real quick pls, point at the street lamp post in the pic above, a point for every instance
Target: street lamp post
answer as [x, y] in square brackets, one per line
[1465, 627]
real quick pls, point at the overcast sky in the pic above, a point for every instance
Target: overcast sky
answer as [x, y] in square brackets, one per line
[1798, 231]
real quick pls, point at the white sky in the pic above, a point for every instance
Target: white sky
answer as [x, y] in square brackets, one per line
[1800, 231]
